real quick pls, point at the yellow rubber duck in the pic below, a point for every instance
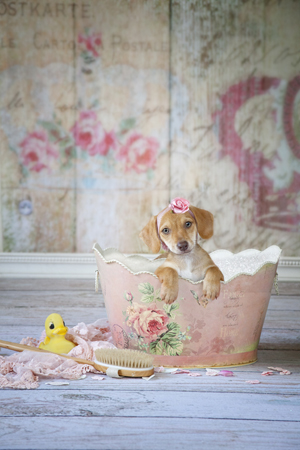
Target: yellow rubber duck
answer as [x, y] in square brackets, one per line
[55, 340]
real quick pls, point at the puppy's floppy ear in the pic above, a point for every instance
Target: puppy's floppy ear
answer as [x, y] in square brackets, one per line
[149, 235]
[205, 222]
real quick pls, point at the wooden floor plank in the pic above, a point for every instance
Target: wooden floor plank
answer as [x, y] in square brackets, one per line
[285, 303]
[45, 284]
[277, 339]
[90, 299]
[272, 385]
[62, 284]
[275, 384]
[122, 433]
[279, 307]
[17, 321]
[201, 405]
[270, 339]
[276, 358]
[33, 299]
[38, 315]
[72, 315]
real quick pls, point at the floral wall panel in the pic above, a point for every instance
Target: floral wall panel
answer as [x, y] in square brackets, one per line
[37, 92]
[237, 153]
[121, 130]
[115, 218]
[84, 121]
[36, 220]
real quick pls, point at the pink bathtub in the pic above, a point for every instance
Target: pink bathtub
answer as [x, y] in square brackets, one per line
[186, 334]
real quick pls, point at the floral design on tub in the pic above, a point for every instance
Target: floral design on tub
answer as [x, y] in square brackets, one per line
[188, 333]
[153, 326]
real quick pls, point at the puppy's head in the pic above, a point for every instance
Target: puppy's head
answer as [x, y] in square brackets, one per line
[178, 231]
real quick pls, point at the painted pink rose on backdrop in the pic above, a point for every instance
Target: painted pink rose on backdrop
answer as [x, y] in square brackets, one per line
[90, 135]
[139, 153]
[148, 321]
[37, 151]
[91, 42]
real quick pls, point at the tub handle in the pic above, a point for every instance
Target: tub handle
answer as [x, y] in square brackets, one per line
[276, 284]
[96, 280]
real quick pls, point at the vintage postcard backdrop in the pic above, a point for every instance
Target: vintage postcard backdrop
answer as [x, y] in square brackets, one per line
[110, 108]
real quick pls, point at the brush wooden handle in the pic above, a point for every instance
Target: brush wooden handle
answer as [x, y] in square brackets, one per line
[21, 347]
[122, 372]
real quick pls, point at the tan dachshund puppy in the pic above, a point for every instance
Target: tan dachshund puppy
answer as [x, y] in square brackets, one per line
[176, 229]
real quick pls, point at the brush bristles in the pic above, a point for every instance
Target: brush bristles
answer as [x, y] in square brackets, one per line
[124, 358]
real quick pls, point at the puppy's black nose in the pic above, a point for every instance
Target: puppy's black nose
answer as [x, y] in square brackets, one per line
[182, 245]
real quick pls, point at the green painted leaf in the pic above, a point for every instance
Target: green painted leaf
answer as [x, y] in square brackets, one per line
[95, 103]
[175, 306]
[25, 171]
[146, 288]
[12, 149]
[194, 295]
[166, 307]
[150, 174]
[70, 151]
[156, 347]
[172, 347]
[127, 124]
[172, 333]
[54, 135]
[147, 298]
[157, 295]
[50, 126]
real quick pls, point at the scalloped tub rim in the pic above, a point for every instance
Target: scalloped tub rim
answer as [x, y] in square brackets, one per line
[221, 253]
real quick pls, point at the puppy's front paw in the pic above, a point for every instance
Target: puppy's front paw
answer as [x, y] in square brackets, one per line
[168, 295]
[211, 283]
[211, 289]
[169, 283]
[203, 301]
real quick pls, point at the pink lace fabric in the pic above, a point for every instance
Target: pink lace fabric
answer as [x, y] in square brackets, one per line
[22, 370]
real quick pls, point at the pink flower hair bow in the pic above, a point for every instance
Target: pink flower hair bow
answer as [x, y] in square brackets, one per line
[179, 206]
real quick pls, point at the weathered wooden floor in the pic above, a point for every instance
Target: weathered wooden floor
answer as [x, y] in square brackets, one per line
[167, 412]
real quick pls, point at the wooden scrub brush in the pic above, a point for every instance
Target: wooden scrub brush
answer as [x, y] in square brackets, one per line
[126, 363]
[114, 362]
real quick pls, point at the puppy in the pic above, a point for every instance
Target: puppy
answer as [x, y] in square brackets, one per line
[176, 228]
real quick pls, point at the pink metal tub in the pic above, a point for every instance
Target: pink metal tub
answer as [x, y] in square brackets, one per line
[186, 334]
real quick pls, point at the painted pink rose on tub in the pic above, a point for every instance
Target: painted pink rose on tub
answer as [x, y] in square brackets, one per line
[90, 135]
[147, 321]
[153, 324]
[37, 151]
[139, 153]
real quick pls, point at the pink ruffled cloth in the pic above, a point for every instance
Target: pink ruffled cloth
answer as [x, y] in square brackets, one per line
[22, 370]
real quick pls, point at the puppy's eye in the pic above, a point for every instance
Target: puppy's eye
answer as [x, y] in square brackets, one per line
[51, 326]
[188, 224]
[166, 230]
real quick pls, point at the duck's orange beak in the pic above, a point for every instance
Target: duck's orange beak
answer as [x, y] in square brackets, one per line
[60, 330]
